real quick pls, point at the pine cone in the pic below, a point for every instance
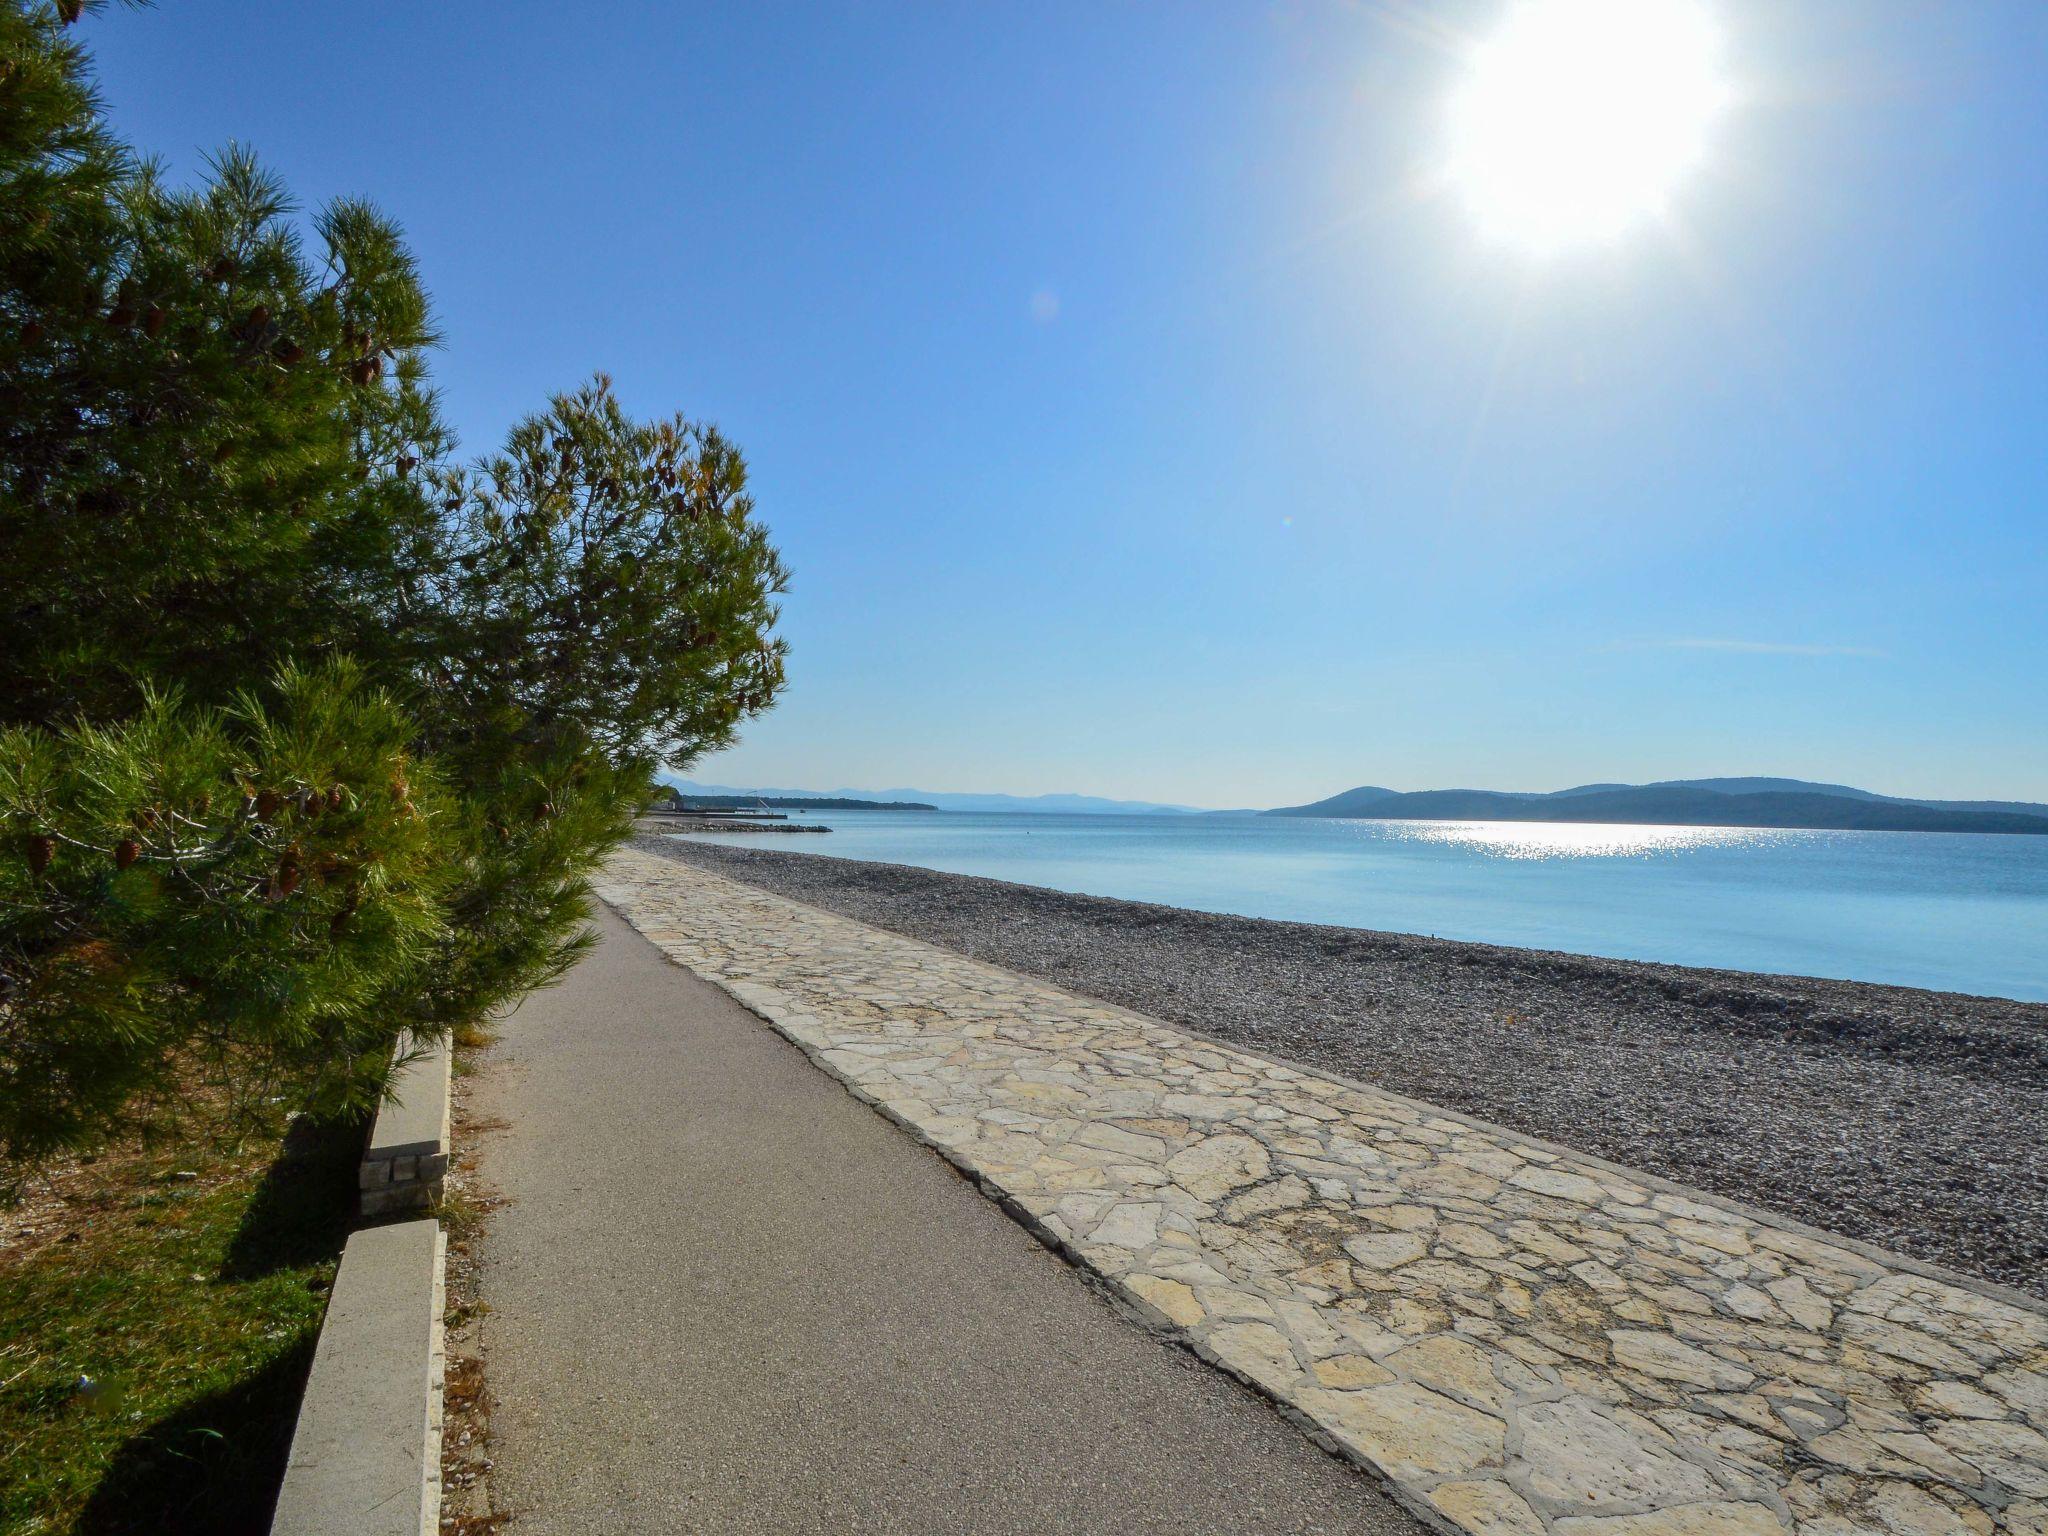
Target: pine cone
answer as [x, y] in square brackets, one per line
[268, 803]
[223, 268]
[153, 321]
[334, 798]
[41, 849]
[126, 852]
[288, 352]
[366, 369]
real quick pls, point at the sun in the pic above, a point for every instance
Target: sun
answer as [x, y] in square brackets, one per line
[1578, 119]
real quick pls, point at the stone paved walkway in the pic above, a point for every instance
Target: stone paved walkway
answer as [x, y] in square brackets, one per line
[1518, 1339]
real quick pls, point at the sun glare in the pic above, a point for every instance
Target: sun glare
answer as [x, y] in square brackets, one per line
[1577, 119]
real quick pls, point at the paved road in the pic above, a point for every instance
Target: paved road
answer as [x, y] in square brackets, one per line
[726, 1297]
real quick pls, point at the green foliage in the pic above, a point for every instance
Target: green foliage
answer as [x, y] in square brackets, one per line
[530, 831]
[308, 735]
[199, 442]
[214, 893]
[609, 581]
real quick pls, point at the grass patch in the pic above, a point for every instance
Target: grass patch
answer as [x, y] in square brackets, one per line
[186, 1284]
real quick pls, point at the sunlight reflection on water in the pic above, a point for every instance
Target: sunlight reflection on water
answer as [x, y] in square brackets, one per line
[1929, 909]
[1575, 839]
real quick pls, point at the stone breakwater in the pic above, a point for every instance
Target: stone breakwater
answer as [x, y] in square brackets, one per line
[1516, 1338]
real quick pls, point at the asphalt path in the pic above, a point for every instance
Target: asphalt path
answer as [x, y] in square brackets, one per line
[724, 1296]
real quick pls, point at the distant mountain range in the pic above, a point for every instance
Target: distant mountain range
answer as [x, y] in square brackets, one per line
[1730, 802]
[1738, 802]
[1085, 805]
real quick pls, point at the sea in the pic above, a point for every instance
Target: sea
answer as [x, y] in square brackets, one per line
[1951, 911]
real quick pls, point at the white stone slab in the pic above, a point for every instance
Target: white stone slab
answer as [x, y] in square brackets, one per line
[413, 1121]
[366, 1456]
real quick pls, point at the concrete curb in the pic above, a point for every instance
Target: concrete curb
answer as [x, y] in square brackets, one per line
[366, 1456]
[406, 1162]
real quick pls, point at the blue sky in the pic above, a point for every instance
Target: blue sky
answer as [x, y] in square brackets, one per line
[1138, 420]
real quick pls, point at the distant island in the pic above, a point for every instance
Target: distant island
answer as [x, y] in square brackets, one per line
[1752, 802]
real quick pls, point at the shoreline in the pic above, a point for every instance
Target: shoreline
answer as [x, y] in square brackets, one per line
[662, 825]
[1905, 1118]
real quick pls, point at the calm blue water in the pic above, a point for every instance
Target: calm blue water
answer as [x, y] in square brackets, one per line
[1961, 913]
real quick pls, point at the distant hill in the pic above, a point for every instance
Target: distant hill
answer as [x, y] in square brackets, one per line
[1698, 802]
[1367, 793]
[1801, 786]
[1082, 805]
[1353, 802]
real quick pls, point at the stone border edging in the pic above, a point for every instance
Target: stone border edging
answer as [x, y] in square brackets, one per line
[405, 1163]
[366, 1454]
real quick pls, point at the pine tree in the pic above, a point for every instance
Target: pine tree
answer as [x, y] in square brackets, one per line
[609, 584]
[223, 896]
[308, 734]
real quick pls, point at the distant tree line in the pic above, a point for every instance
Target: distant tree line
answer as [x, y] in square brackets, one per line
[310, 733]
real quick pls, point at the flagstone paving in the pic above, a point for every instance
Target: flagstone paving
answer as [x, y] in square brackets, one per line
[1519, 1339]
